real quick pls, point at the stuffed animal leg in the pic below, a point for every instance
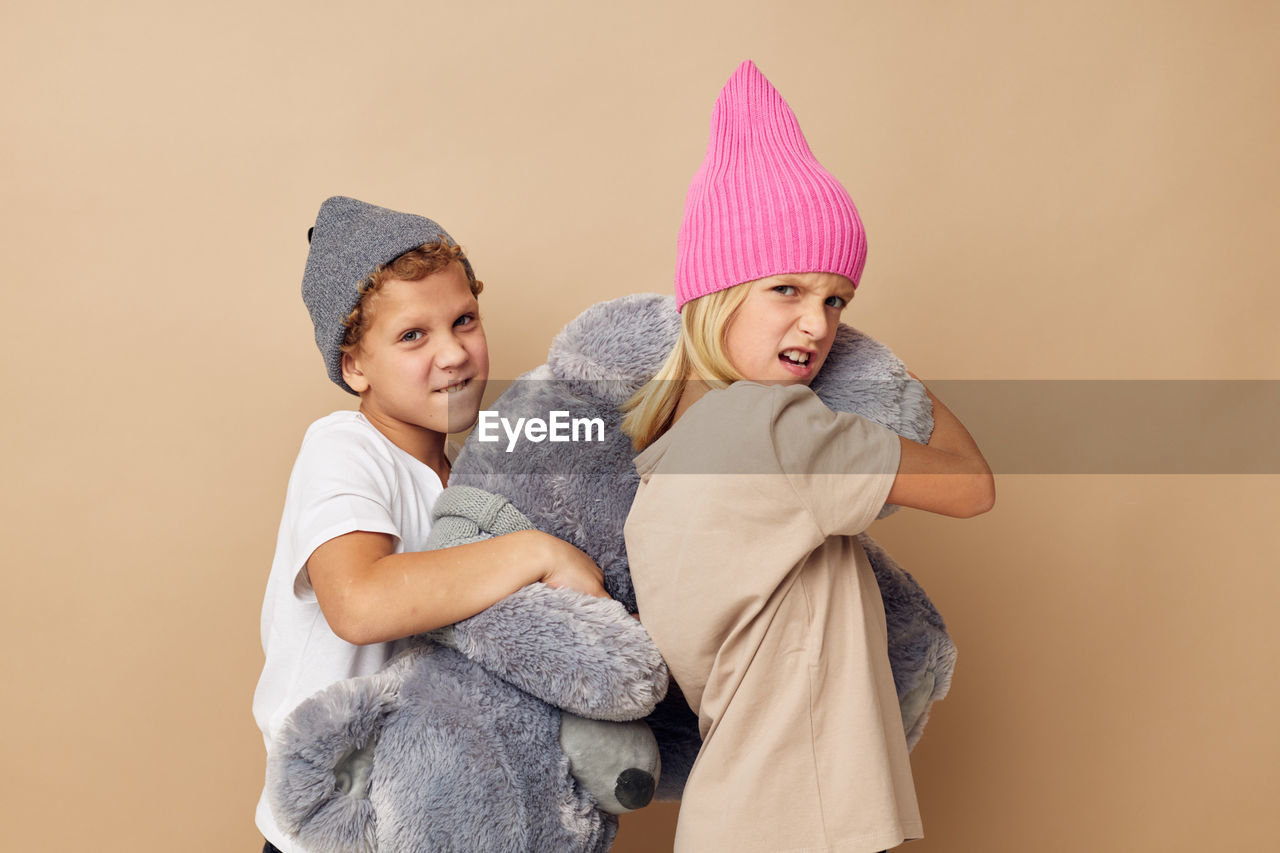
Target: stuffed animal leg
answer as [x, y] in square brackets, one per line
[431, 753]
[583, 654]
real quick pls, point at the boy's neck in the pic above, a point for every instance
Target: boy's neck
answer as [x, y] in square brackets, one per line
[425, 445]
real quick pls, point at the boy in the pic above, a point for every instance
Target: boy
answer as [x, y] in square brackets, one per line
[393, 301]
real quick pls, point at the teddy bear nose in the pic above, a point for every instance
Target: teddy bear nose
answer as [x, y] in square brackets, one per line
[635, 788]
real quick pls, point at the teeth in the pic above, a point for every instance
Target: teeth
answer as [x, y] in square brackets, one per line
[455, 387]
[796, 355]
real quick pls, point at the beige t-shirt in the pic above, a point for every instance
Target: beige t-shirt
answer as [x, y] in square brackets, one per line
[748, 575]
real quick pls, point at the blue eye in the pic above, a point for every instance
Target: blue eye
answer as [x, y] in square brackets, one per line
[836, 301]
[785, 289]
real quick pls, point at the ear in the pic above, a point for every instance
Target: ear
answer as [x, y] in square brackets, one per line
[351, 373]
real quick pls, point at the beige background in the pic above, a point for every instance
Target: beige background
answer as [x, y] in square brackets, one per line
[1052, 190]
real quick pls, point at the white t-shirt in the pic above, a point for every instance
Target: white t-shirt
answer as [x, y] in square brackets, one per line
[348, 477]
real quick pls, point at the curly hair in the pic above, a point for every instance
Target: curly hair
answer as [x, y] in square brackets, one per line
[413, 265]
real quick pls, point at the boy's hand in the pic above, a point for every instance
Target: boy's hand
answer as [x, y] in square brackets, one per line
[568, 567]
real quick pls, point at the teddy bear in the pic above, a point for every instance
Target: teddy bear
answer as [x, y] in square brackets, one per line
[532, 725]
[504, 732]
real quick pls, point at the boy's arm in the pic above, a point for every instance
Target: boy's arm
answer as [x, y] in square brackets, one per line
[949, 475]
[369, 594]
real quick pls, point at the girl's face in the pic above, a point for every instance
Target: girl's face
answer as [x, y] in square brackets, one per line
[782, 332]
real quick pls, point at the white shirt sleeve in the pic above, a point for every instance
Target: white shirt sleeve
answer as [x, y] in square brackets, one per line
[342, 482]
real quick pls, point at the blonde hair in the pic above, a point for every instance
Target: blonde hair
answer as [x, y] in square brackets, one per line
[699, 352]
[413, 265]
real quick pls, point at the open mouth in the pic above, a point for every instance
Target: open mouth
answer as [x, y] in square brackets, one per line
[799, 358]
[797, 362]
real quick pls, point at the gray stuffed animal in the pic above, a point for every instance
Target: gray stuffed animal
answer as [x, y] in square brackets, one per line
[506, 731]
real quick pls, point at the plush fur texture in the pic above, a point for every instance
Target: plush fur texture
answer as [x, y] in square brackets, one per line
[453, 768]
[582, 654]
[460, 744]
[371, 763]
[582, 492]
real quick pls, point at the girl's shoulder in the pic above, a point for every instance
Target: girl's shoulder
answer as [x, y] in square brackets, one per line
[753, 402]
[729, 430]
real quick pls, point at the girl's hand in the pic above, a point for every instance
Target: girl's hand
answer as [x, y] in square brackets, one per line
[565, 566]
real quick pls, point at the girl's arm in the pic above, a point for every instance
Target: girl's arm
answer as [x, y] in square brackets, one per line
[949, 475]
[368, 594]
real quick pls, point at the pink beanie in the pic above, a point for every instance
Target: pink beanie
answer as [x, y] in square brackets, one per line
[761, 204]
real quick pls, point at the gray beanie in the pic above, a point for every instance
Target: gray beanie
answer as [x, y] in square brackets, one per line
[349, 241]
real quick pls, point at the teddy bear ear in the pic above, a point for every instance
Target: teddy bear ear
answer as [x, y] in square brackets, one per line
[310, 231]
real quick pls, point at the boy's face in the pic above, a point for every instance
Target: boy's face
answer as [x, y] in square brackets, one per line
[423, 361]
[783, 331]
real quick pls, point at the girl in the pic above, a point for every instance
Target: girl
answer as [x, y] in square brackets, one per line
[749, 577]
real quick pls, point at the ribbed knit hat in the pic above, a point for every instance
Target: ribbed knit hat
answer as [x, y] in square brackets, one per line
[349, 241]
[761, 204]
